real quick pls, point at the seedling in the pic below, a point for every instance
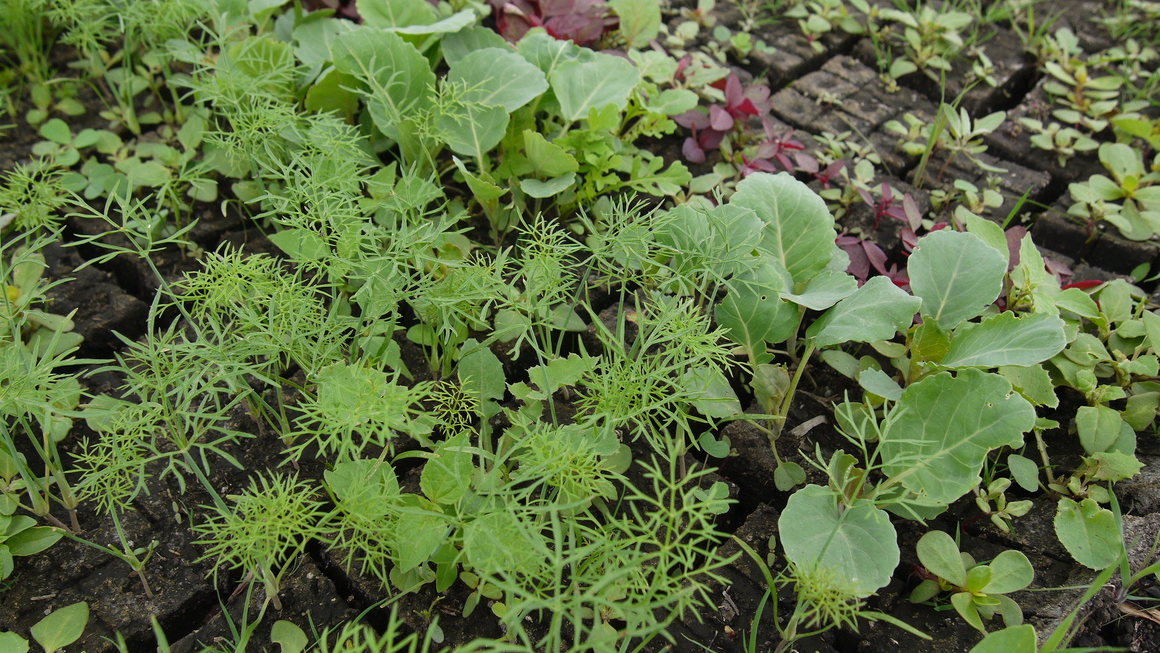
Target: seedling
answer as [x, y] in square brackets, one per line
[977, 590]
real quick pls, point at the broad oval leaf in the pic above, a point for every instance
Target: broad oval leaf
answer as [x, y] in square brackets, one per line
[61, 627]
[710, 392]
[1006, 339]
[447, 474]
[497, 77]
[799, 230]
[827, 288]
[474, 130]
[498, 543]
[956, 274]
[12, 643]
[1088, 532]
[946, 427]
[395, 13]
[1011, 571]
[398, 77]
[470, 39]
[288, 636]
[1098, 427]
[855, 543]
[33, 540]
[640, 20]
[420, 536]
[367, 488]
[1016, 639]
[753, 311]
[876, 311]
[581, 86]
[938, 552]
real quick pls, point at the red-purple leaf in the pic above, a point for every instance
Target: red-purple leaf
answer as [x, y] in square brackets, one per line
[693, 152]
[710, 139]
[692, 119]
[720, 119]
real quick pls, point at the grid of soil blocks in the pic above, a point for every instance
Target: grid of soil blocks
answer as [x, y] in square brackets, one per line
[494, 360]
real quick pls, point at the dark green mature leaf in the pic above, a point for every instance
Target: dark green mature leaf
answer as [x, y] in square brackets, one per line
[956, 274]
[937, 447]
[877, 311]
[497, 77]
[581, 86]
[799, 230]
[1006, 339]
[857, 543]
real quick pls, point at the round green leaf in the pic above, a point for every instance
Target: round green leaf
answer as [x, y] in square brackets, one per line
[1006, 339]
[288, 636]
[856, 542]
[497, 77]
[33, 540]
[1010, 572]
[877, 311]
[581, 86]
[799, 230]
[12, 643]
[956, 274]
[1088, 532]
[946, 428]
[498, 543]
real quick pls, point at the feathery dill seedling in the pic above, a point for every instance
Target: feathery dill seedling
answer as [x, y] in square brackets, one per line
[622, 240]
[676, 363]
[642, 567]
[356, 408]
[547, 272]
[194, 386]
[367, 505]
[269, 524]
[31, 194]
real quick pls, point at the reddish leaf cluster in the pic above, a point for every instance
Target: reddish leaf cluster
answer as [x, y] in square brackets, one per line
[580, 21]
[709, 129]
